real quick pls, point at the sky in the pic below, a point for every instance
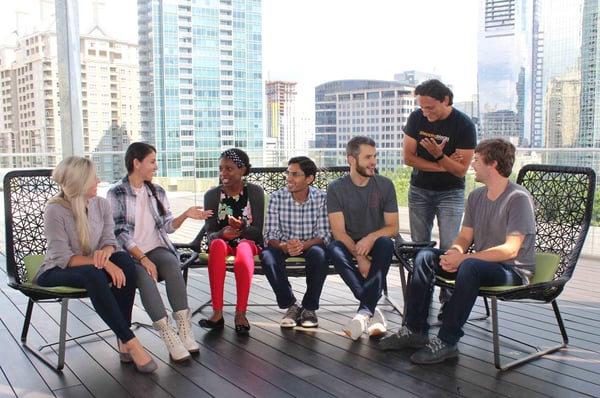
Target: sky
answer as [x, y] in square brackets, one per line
[315, 41]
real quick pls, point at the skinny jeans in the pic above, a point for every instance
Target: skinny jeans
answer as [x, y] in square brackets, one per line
[366, 290]
[114, 305]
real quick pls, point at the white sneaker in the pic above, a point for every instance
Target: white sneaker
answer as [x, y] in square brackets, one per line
[356, 327]
[377, 324]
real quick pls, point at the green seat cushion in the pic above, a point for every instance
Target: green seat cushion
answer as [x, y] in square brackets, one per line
[546, 265]
[33, 264]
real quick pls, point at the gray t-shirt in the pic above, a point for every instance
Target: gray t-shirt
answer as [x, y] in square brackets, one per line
[363, 207]
[510, 214]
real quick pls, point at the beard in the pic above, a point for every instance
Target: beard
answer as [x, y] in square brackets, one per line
[363, 171]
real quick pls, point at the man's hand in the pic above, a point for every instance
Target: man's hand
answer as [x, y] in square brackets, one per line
[451, 260]
[294, 247]
[436, 150]
[363, 247]
[364, 265]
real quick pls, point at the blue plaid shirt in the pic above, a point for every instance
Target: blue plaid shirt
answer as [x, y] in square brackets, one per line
[122, 201]
[288, 219]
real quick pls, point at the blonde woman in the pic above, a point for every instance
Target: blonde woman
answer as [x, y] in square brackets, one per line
[142, 222]
[81, 254]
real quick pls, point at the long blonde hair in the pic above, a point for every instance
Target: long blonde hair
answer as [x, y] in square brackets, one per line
[75, 175]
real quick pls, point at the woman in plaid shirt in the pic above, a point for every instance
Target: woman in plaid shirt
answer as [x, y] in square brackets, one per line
[142, 222]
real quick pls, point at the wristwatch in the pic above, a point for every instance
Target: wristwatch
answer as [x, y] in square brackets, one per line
[439, 158]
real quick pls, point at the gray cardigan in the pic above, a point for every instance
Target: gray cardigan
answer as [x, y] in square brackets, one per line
[61, 232]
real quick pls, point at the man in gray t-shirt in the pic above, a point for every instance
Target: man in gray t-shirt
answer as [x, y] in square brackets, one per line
[499, 223]
[363, 214]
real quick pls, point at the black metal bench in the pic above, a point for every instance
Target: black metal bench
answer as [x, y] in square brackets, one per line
[271, 179]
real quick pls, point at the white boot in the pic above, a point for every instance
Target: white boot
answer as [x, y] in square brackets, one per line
[169, 336]
[184, 329]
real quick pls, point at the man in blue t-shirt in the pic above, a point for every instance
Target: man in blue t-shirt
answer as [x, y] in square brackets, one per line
[363, 214]
[499, 223]
[438, 144]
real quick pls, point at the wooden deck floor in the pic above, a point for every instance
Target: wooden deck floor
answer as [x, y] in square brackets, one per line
[272, 362]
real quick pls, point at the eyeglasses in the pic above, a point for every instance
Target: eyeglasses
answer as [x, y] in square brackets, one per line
[294, 174]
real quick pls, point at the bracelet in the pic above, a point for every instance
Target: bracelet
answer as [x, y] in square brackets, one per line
[439, 158]
[141, 258]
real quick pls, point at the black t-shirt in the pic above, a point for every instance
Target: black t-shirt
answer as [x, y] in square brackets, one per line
[460, 133]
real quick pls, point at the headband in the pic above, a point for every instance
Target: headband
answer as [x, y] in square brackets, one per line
[233, 156]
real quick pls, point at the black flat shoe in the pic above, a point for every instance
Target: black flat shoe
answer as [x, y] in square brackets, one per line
[208, 324]
[242, 329]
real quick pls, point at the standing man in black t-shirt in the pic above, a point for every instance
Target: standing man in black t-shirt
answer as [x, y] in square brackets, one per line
[438, 144]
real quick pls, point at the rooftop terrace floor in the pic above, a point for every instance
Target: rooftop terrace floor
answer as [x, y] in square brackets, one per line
[322, 362]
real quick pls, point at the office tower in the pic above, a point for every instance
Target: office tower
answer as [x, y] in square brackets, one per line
[201, 82]
[510, 63]
[281, 123]
[30, 112]
[374, 108]
[590, 73]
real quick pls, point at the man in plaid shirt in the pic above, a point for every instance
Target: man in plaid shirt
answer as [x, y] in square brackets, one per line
[297, 226]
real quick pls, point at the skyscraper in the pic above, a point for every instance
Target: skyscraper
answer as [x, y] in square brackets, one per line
[510, 70]
[201, 82]
[281, 122]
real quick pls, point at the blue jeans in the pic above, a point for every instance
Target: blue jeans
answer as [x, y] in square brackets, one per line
[273, 264]
[424, 205]
[113, 305]
[367, 291]
[471, 275]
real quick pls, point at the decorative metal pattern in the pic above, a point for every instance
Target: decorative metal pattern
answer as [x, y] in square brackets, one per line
[270, 179]
[26, 193]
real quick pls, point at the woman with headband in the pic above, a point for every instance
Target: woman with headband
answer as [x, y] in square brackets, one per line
[237, 230]
[142, 222]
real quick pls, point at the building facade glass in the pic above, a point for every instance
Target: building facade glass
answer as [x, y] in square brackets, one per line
[509, 70]
[201, 82]
[374, 108]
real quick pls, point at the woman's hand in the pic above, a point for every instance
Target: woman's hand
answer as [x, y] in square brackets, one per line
[197, 213]
[100, 257]
[149, 267]
[235, 223]
[229, 233]
[116, 274]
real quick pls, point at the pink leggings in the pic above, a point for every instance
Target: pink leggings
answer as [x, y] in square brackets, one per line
[243, 269]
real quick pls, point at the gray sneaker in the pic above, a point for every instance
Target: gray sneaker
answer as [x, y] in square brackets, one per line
[403, 338]
[435, 351]
[290, 319]
[308, 319]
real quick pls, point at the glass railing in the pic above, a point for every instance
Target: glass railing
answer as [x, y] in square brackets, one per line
[186, 191]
